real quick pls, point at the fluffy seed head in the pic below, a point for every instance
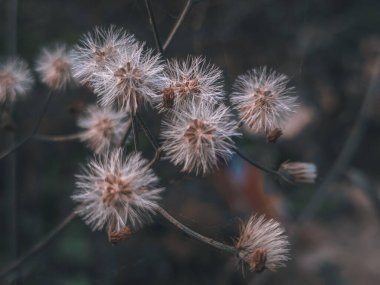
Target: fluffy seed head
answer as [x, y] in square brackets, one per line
[103, 127]
[262, 244]
[263, 99]
[299, 172]
[15, 80]
[199, 136]
[188, 80]
[54, 67]
[96, 49]
[116, 191]
[132, 78]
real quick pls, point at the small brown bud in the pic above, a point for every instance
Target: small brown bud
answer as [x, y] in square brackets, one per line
[273, 135]
[115, 237]
[168, 98]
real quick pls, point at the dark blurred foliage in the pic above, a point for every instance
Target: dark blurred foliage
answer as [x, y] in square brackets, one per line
[326, 47]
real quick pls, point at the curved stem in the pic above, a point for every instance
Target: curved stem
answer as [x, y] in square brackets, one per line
[259, 165]
[348, 149]
[152, 21]
[57, 138]
[190, 232]
[147, 132]
[26, 139]
[38, 246]
[184, 12]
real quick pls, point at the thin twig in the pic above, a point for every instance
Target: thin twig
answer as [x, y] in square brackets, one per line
[262, 167]
[147, 132]
[348, 150]
[38, 246]
[193, 234]
[184, 12]
[26, 139]
[126, 133]
[135, 133]
[152, 21]
[58, 138]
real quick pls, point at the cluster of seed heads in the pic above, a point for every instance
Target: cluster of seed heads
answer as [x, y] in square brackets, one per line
[119, 192]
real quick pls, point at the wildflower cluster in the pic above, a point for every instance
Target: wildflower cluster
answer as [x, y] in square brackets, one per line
[120, 191]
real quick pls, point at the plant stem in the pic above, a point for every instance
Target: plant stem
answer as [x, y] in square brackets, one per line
[193, 234]
[182, 16]
[38, 246]
[152, 21]
[135, 133]
[26, 139]
[147, 132]
[58, 138]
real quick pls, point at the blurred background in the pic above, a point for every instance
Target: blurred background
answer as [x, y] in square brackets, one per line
[329, 49]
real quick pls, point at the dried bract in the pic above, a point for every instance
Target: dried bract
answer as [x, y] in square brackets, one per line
[15, 80]
[299, 172]
[96, 49]
[103, 127]
[116, 191]
[198, 136]
[263, 100]
[188, 80]
[54, 67]
[262, 244]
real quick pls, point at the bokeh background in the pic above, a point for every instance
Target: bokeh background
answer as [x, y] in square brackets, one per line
[329, 49]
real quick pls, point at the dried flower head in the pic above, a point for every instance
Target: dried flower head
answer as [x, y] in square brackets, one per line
[15, 80]
[263, 100]
[262, 244]
[116, 191]
[186, 80]
[96, 49]
[54, 67]
[299, 172]
[103, 127]
[198, 136]
[132, 78]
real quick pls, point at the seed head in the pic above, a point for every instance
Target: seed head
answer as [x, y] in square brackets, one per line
[198, 136]
[188, 80]
[131, 79]
[103, 127]
[54, 67]
[96, 49]
[263, 100]
[262, 244]
[299, 172]
[15, 80]
[116, 191]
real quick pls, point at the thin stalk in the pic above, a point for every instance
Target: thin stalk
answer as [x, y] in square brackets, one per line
[126, 133]
[193, 234]
[147, 132]
[38, 246]
[182, 16]
[26, 139]
[58, 138]
[348, 150]
[135, 133]
[153, 24]
[258, 165]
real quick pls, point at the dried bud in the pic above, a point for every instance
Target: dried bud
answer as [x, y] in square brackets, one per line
[54, 67]
[15, 80]
[273, 135]
[299, 172]
[263, 99]
[262, 244]
[115, 237]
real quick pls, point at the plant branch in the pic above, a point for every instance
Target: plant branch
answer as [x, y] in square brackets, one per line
[193, 234]
[182, 16]
[58, 138]
[26, 139]
[38, 246]
[152, 21]
[348, 150]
